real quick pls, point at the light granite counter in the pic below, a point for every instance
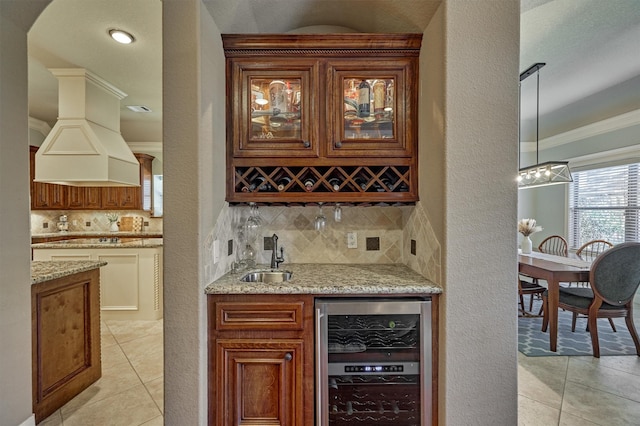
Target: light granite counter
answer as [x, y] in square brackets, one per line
[42, 271]
[105, 242]
[321, 279]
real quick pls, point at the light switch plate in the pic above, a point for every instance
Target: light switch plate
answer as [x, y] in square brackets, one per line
[216, 251]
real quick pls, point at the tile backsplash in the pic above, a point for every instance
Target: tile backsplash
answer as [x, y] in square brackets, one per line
[393, 227]
[46, 221]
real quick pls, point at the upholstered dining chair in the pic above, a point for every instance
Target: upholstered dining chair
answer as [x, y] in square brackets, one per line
[555, 244]
[614, 279]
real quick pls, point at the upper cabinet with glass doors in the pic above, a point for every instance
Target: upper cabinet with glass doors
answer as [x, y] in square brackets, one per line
[273, 109]
[322, 118]
[371, 108]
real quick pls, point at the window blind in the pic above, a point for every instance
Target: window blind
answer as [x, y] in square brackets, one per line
[603, 204]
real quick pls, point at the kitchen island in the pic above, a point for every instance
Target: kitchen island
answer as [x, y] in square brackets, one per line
[262, 338]
[130, 284]
[65, 321]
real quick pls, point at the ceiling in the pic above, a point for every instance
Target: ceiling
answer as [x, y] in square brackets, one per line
[590, 48]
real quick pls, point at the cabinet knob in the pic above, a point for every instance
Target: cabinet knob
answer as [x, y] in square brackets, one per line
[338, 144]
[288, 357]
[306, 144]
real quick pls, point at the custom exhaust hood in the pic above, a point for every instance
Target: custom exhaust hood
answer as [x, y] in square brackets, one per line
[84, 147]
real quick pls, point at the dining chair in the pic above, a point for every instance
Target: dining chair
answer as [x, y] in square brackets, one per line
[614, 279]
[532, 289]
[592, 249]
[555, 244]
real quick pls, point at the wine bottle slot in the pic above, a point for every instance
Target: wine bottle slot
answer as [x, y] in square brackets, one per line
[360, 182]
[283, 182]
[335, 184]
[308, 183]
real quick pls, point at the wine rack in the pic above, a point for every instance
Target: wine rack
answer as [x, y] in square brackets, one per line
[373, 184]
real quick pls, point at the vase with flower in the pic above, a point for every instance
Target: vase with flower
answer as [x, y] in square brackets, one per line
[113, 222]
[527, 227]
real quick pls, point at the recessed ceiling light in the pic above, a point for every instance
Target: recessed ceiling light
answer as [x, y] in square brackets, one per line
[121, 36]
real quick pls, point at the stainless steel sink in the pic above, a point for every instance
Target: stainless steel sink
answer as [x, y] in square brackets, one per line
[267, 276]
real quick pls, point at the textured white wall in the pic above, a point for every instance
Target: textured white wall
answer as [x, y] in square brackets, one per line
[194, 129]
[15, 274]
[479, 334]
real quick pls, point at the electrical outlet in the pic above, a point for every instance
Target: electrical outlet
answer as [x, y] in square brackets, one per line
[87, 224]
[229, 247]
[45, 225]
[413, 247]
[74, 222]
[352, 240]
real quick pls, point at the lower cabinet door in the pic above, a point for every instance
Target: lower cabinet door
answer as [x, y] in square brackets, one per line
[259, 382]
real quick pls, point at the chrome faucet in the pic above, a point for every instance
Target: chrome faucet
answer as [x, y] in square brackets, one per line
[275, 259]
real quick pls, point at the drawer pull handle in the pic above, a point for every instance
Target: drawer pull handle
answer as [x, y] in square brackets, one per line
[288, 357]
[338, 144]
[306, 144]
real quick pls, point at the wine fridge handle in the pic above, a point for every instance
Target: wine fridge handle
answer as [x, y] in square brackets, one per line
[320, 381]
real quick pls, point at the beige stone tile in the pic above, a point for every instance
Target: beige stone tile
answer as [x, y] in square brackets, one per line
[599, 407]
[542, 379]
[55, 419]
[146, 356]
[534, 413]
[156, 390]
[133, 407]
[125, 331]
[567, 419]
[107, 340]
[156, 421]
[629, 363]
[595, 375]
[115, 380]
[113, 355]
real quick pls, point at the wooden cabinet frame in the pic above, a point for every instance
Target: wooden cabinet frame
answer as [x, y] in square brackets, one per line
[256, 169]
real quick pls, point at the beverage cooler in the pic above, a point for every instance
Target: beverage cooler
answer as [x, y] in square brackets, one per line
[373, 362]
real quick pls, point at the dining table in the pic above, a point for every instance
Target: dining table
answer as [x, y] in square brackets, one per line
[554, 270]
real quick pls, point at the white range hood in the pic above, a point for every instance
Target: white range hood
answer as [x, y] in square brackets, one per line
[85, 147]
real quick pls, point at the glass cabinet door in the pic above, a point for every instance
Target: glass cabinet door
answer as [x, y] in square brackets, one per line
[368, 110]
[275, 110]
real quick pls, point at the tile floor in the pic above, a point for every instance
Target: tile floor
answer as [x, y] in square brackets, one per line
[564, 391]
[130, 391]
[580, 390]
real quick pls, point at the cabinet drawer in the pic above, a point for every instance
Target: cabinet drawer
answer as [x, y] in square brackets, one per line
[259, 316]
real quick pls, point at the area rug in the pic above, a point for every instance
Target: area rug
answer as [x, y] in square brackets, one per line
[533, 342]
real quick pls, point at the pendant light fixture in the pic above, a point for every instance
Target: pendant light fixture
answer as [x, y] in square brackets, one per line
[540, 174]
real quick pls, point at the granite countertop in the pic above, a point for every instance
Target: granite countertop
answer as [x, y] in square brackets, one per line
[48, 270]
[105, 242]
[317, 278]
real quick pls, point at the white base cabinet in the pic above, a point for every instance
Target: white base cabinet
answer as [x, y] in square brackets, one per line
[130, 283]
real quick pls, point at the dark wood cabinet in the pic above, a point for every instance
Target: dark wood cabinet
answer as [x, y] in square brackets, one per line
[261, 360]
[47, 196]
[322, 118]
[65, 318]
